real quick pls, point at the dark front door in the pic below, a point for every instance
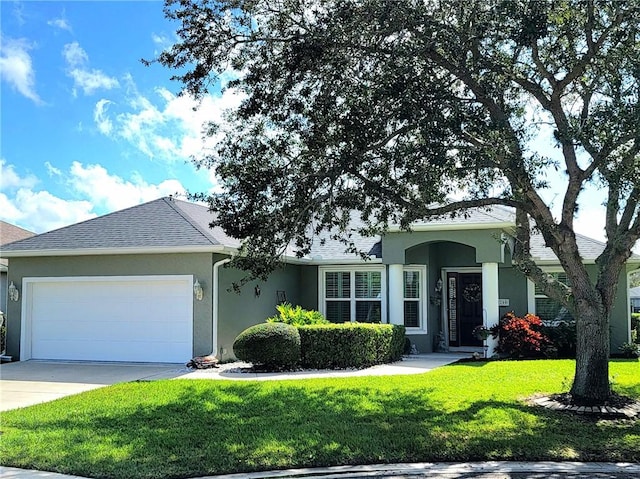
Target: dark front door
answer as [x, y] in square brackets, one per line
[464, 308]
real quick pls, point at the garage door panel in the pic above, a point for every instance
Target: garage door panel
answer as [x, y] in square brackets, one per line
[113, 320]
[107, 351]
[122, 331]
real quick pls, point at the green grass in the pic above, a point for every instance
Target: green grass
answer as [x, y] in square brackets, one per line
[186, 428]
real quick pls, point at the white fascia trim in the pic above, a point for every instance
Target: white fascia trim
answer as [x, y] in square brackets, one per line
[117, 251]
[550, 263]
[453, 227]
[354, 262]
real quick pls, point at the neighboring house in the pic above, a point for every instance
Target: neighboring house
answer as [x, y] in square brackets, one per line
[8, 234]
[634, 298]
[126, 286]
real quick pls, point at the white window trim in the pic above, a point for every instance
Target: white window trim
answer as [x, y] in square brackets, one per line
[422, 269]
[352, 269]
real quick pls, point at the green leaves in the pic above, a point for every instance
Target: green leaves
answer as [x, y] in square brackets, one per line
[387, 108]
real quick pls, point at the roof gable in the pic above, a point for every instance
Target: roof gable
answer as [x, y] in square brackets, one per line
[162, 223]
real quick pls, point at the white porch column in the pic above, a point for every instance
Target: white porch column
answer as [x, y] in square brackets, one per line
[396, 294]
[490, 296]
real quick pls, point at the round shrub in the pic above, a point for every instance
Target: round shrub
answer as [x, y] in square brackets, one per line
[274, 346]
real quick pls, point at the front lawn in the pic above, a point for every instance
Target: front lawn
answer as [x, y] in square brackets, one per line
[186, 428]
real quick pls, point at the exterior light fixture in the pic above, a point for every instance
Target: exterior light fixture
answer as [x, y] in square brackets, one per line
[197, 290]
[14, 294]
[439, 286]
[257, 291]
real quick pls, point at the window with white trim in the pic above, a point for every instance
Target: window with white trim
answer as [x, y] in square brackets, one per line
[547, 309]
[414, 305]
[353, 294]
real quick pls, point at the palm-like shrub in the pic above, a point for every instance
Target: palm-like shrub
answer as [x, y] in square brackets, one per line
[297, 316]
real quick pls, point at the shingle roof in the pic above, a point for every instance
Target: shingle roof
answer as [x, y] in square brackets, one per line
[477, 216]
[10, 233]
[168, 223]
[589, 248]
[163, 223]
[325, 247]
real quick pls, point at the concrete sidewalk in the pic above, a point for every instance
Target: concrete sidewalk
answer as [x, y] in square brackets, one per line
[443, 470]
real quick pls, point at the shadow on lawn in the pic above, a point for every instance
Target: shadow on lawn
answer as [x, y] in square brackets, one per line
[229, 427]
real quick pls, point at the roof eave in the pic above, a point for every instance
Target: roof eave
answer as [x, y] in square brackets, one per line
[453, 227]
[328, 261]
[118, 251]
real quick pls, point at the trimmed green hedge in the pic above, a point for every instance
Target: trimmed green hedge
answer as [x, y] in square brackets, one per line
[350, 345]
[271, 345]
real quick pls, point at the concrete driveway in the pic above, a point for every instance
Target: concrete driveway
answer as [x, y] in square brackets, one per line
[26, 383]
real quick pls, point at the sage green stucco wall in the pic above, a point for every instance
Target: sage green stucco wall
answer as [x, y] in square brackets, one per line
[458, 249]
[239, 311]
[512, 285]
[236, 311]
[486, 243]
[309, 287]
[197, 264]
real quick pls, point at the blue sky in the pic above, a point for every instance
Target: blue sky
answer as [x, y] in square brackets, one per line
[86, 129]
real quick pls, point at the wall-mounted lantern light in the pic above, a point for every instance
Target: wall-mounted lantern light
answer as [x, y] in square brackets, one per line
[198, 292]
[14, 294]
[439, 286]
[257, 291]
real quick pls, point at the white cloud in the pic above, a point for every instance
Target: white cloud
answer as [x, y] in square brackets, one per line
[113, 192]
[52, 170]
[74, 54]
[41, 211]
[99, 116]
[9, 179]
[60, 23]
[170, 127]
[162, 41]
[89, 80]
[16, 67]
[92, 190]
[38, 211]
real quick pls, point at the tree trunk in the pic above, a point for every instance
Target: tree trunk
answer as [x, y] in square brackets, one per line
[591, 381]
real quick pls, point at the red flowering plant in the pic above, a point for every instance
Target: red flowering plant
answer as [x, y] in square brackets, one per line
[521, 337]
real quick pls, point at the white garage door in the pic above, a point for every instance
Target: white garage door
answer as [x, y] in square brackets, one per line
[141, 318]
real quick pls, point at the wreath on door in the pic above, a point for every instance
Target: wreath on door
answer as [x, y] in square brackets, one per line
[472, 293]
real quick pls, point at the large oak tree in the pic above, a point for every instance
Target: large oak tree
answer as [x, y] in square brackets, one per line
[391, 108]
